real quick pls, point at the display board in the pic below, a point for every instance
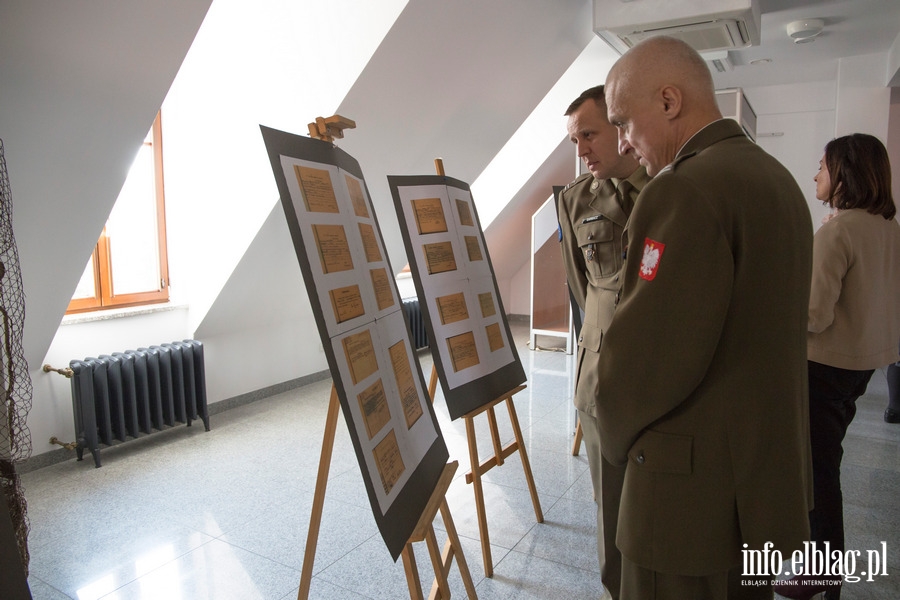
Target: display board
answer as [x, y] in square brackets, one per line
[363, 329]
[473, 350]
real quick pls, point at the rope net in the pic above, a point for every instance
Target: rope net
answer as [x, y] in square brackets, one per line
[15, 382]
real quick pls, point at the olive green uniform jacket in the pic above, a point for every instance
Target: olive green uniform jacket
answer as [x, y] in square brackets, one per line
[703, 368]
[592, 224]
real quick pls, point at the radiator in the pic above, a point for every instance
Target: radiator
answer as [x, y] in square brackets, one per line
[126, 394]
[416, 322]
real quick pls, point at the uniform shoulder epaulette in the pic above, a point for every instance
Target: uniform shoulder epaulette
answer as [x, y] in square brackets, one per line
[577, 181]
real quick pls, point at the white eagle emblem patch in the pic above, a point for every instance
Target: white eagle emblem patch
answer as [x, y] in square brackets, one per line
[653, 252]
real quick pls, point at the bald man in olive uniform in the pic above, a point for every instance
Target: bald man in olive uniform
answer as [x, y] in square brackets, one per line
[703, 367]
[593, 211]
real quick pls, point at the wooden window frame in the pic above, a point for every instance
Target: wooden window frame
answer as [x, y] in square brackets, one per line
[105, 296]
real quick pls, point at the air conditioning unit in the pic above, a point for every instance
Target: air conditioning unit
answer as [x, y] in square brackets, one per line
[707, 25]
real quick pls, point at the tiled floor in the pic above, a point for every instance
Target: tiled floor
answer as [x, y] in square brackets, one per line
[192, 515]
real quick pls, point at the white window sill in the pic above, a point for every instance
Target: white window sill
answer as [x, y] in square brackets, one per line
[119, 313]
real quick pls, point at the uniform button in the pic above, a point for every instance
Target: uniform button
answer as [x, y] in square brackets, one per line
[640, 458]
[590, 236]
[580, 339]
[616, 278]
[595, 185]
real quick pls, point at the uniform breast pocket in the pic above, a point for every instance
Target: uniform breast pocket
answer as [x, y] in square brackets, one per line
[597, 242]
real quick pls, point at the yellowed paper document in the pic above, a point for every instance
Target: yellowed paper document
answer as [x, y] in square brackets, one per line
[318, 192]
[452, 308]
[463, 353]
[370, 242]
[429, 215]
[360, 354]
[384, 296]
[334, 251]
[357, 197]
[347, 303]
[439, 257]
[487, 304]
[409, 396]
[465, 213]
[473, 248]
[389, 461]
[495, 338]
[374, 407]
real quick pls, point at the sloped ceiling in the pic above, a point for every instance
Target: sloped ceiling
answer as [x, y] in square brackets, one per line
[81, 84]
[455, 80]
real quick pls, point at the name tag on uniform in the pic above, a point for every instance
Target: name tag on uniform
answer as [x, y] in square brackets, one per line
[592, 219]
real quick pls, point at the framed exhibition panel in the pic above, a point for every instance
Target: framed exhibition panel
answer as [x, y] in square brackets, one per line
[363, 329]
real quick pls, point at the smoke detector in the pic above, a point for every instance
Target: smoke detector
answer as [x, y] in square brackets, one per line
[805, 30]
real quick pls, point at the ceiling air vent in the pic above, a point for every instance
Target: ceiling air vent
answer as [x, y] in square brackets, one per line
[707, 25]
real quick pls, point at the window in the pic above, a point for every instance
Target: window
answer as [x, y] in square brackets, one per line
[129, 265]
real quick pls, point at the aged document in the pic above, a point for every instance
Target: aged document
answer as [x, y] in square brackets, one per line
[452, 308]
[439, 257]
[495, 338]
[409, 396]
[382, 286]
[487, 305]
[334, 251]
[463, 353]
[389, 461]
[465, 213]
[369, 242]
[374, 408]
[473, 248]
[429, 215]
[360, 354]
[357, 197]
[318, 193]
[347, 303]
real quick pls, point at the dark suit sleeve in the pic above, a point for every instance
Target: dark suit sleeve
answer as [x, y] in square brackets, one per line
[665, 331]
[573, 259]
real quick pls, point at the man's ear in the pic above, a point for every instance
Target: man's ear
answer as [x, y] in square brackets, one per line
[671, 98]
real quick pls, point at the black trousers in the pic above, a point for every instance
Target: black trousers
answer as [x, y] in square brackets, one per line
[832, 406]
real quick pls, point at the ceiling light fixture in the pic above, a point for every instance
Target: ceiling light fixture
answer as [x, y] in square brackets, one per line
[805, 30]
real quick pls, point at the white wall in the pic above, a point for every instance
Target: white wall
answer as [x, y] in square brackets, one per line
[795, 121]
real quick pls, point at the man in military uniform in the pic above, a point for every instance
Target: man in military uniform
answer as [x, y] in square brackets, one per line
[703, 369]
[593, 211]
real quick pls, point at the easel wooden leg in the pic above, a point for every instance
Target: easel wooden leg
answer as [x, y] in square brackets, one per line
[432, 384]
[452, 548]
[315, 519]
[526, 465]
[576, 445]
[479, 498]
[425, 531]
[412, 572]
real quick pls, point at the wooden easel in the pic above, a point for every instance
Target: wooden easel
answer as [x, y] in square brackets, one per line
[326, 129]
[424, 530]
[479, 468]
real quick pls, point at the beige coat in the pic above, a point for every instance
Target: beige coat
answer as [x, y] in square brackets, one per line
[854, 303]
[703, 368]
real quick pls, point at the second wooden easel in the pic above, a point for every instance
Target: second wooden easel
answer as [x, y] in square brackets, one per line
[424, 530]
[478, 467]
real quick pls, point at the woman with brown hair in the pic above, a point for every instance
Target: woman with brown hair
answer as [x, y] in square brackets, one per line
[854, 317]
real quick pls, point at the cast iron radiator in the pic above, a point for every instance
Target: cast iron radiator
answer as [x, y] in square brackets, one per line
[416, 322]
[126, 394]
